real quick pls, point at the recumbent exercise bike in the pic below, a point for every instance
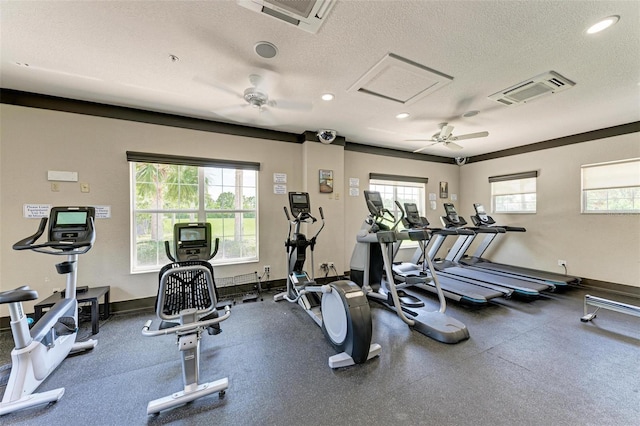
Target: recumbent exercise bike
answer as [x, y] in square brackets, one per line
[186, 306]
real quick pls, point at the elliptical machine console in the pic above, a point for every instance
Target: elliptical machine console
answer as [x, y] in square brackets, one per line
[340, 308]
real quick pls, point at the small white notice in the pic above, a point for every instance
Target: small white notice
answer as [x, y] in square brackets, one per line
[280, 189]
[432, 196]
[279, 178]
[354, 192]
[103, 212]
[354, 182]
[454, 197]
[35, 211]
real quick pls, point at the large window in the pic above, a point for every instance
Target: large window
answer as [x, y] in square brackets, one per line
[404, 189]
[164, 194]
[611, 187]
[515, 193]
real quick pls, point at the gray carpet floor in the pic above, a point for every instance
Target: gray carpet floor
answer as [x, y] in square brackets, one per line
[529, 363]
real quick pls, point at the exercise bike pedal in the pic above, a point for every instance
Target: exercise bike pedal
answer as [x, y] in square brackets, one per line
[215, 328]
[65, 326]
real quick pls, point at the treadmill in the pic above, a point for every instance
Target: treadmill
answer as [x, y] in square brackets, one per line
[481, 219]
[522, 287]
[458, 289]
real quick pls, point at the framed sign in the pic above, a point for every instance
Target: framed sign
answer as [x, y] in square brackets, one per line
[326, 181]
[444, 189]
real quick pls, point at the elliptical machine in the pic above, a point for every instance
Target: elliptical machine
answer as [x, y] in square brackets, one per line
[186, 306]
[340, 308]
[38, 351]
[372, 269]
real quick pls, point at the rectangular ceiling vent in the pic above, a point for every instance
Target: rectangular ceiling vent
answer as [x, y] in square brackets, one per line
[307, 15]
[543, 84]
[400, 80]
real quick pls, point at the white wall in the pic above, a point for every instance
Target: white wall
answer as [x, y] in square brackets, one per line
[602, 247]
[33, 141]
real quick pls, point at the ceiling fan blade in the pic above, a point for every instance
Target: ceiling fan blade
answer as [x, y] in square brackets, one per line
[229, 110]
[471, 136]
[219, 86]
[445, 132]
[425, 147]
[291, 105]
[453, 145]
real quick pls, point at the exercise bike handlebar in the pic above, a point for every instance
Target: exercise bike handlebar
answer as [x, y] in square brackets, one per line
[185, 327]
[57, 247]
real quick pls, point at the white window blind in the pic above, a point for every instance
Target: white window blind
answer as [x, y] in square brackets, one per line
[612, 187]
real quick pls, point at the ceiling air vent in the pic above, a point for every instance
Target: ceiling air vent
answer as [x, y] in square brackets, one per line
[543, 84]
[307, 15]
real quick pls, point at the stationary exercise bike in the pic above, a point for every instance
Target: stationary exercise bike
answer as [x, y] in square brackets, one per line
[39, 350]
[186, 306]
[340, 308]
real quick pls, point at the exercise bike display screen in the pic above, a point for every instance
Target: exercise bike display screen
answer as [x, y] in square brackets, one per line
[193, 234]
[70, 224]
[70, 218]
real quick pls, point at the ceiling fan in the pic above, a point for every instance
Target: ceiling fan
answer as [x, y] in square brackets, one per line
[445, 136]
[256, 96]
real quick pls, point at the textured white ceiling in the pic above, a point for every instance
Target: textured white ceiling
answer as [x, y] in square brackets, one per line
[118, 52]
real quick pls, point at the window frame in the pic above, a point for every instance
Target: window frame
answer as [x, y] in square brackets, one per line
[514, 177]
[202, 212]
[628, 182]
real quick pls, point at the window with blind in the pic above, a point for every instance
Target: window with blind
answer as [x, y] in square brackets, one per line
[514, 193]
[611, 187]
[171, 189]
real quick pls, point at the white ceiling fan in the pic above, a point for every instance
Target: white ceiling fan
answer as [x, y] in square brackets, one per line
[445, 136]
[256, 96]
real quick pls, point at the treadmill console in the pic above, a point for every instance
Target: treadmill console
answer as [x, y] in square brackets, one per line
[192, 241]
[299, 203]
[452, 219]
[413, 218]
[481, 215]
[374, 202]
[71, 224]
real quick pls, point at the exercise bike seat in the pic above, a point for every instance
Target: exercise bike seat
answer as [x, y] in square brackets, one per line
[20, 294]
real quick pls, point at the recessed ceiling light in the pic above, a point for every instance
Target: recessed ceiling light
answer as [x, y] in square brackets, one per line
[470, 113]
[402, 115]
[603, 24]
[328, 97]
[174, 58]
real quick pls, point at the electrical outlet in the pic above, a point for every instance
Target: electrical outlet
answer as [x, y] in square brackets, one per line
[331, 264]
[267, 269]
[562, 263]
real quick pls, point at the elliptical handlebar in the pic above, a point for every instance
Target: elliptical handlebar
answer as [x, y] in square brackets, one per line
[57, 247]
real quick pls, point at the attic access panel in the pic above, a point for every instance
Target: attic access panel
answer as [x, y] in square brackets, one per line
[400, 80]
